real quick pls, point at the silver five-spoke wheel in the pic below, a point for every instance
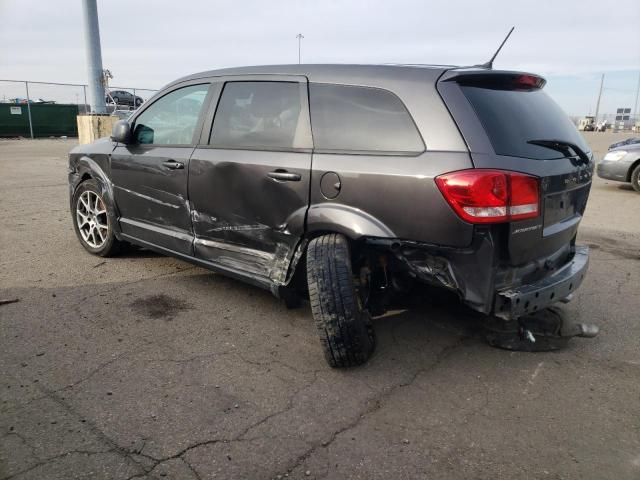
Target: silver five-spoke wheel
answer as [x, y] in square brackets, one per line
[91, 217]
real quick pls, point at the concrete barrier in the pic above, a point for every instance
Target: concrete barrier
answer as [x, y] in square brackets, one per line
[92, 127]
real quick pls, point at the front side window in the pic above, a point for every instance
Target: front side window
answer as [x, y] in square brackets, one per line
[259, 115]
[172, 119]
[355, 118]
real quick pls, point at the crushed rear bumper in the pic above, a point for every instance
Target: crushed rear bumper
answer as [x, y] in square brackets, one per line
[484, 282]
[526, 299]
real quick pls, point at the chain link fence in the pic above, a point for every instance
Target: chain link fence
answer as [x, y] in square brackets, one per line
[44, 109]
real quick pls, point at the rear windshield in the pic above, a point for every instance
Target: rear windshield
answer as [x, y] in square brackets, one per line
[513, 117]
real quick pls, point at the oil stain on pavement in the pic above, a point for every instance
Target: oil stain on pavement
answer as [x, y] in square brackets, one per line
[159, 306]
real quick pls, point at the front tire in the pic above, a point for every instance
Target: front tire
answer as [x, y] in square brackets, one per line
[91, 221]
[343, 325]
[635, 179]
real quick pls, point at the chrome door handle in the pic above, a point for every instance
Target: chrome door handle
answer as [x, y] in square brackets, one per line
[173, 165]
[284, 176]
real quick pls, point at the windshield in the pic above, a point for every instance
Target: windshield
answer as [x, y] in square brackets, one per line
[511, 118]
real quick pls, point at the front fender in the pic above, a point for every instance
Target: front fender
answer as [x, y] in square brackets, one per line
[86, 167]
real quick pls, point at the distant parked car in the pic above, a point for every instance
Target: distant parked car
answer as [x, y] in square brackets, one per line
[622, 164]
[122, 97]
[628, 141]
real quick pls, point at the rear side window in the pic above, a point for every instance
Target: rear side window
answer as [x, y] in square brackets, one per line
[258, 115]
[361, 119]
[513, 117]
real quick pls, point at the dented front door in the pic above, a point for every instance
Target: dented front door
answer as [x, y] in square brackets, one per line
[150, 189]
[150, 173]
[249, 179]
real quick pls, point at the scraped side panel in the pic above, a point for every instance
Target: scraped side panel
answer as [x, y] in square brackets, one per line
[241, 216]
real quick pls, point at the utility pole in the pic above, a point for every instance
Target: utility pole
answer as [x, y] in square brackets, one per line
[299, 37]
[599, 96]
[94, 56]
[635, 106]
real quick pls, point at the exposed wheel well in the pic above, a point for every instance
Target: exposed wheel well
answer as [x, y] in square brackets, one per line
[299, 275]
[632, 168]
[85, 177]
[356, 246]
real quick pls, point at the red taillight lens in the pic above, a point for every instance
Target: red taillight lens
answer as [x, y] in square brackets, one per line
[529, 81]
[490, 196]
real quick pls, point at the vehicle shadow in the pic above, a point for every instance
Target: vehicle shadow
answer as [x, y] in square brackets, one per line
[134, 251]
[410, 322]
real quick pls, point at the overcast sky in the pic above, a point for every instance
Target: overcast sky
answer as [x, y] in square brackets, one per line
[149, 43]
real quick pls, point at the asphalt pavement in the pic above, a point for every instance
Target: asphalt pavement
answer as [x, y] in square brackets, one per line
[143, 366]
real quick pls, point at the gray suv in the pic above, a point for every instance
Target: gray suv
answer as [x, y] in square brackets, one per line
[349, 184]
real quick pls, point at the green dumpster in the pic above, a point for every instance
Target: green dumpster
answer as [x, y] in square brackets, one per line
[49, 119]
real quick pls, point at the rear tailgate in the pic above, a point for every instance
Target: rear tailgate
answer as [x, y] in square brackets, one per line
[510, 123]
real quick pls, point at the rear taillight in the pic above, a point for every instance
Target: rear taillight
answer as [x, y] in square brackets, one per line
[491, 196]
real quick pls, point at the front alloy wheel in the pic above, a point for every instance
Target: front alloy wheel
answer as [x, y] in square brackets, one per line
[92, 223]
[91, 216]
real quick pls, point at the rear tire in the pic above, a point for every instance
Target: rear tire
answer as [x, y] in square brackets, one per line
[344, 327]
[635, 179]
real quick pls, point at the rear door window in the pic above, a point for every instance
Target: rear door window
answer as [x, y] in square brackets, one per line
[511, 118]
[365, 119]
[258, 115]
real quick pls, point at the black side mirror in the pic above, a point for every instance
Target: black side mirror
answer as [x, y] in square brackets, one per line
[121, 132]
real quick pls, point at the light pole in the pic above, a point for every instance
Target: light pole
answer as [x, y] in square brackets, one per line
[299, 37]
[635, 105]
[599, 97]
[94, 56]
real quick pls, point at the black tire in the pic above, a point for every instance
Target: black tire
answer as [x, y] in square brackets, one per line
[344, 327]
[635, 179]
[138, 102]
[116, 100]
[111, 245]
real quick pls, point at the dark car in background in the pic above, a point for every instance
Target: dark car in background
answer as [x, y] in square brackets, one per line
[349, 184]
[122, 97]
[622, 164]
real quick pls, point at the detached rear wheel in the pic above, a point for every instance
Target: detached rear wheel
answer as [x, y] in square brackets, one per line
[92, 223]
[343, 325]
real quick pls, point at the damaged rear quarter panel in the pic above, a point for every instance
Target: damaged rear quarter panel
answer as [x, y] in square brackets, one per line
[395, 193]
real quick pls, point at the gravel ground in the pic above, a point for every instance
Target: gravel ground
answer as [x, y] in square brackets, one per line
[143, 366]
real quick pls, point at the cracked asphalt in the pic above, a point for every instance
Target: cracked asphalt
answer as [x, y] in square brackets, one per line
[146, 367]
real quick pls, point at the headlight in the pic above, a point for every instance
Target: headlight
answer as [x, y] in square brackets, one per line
[615, 155]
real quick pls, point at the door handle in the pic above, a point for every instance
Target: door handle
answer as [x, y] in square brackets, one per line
[284, 176]
[173, 165]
